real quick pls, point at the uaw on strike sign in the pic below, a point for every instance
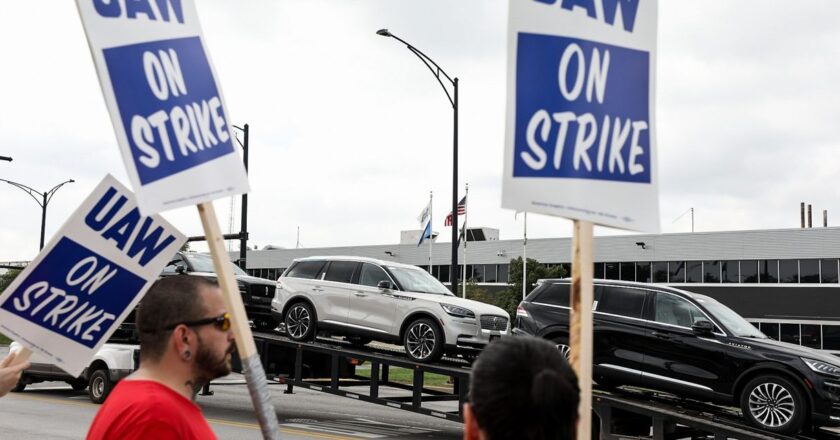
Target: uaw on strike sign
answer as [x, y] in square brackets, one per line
[88, 278]
[580, 124]
[165, 102]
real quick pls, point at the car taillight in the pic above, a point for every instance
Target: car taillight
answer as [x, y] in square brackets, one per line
[520, 311]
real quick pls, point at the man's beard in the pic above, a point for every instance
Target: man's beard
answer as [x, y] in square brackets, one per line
[209, 365]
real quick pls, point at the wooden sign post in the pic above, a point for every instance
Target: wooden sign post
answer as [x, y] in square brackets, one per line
[245, 346]
[580, 335]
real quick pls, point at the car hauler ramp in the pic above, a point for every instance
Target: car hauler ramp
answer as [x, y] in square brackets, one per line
[331, 366]
[634, 414]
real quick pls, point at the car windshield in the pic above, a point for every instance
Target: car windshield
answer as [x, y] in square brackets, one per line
[731, 320]
[204, 263]
[418, 280]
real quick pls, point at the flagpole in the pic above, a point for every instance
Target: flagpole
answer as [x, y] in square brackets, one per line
[525, 258]
[464, 230]
[431, 231]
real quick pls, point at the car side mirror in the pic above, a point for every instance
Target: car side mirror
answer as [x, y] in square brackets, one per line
[180, 269]
[385, 285]
[702, 327]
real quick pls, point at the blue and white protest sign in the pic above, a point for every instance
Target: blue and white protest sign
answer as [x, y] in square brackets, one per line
[88, 278]
[165, 102]
[580, 130]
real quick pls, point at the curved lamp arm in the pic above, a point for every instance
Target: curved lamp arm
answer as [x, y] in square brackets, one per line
[49, 194]
[433, 66]
[31, 191]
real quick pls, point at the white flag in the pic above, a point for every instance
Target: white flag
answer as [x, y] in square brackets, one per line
[424, 215]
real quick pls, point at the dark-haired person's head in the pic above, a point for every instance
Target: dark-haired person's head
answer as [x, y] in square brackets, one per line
[521, 388]
[183, 322]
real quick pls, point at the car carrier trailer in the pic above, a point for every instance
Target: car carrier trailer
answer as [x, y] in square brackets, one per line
[331, 366]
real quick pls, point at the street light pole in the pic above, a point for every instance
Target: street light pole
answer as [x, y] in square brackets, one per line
[243, 234]
[453, 99]
[6, 158]
[43, 202]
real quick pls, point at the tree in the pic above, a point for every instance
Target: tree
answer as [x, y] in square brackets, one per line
[509, 298]
[7, 277]
[536, 271]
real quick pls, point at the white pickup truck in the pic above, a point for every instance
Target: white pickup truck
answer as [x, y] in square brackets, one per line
[110, 364]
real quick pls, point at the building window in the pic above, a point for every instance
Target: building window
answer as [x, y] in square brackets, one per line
[490, 273]
[769, 271]
[749, 271]
[598, 272]
[443, 273]
[643, 272]
[628, 271]
[809, 271]
[693, 271]
[567, 269]
[771, 329]
[810, 335]
[660, 272]
[711, 271]
[831, 337]
[828, 271]
[729, 271]
[789, 333]
[788, 271]
[611, 271]
[676, 272]
[504, 273]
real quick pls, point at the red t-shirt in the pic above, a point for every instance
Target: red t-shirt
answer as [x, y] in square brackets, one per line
[143, 409]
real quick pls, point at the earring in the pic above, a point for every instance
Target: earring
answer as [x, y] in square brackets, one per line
[186, 355]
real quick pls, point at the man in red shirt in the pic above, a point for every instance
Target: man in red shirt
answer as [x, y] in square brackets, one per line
[185, 342]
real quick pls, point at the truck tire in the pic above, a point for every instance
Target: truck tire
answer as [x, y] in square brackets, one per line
[78, 384]
[99, 386]
[20, 386]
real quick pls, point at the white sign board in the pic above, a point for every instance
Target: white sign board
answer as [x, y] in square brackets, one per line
[166, 105]
[580, 130]
[88, 278]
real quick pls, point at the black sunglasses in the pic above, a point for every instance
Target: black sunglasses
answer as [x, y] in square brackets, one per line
[221, 322]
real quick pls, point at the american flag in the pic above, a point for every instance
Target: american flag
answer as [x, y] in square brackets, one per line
[462, 209]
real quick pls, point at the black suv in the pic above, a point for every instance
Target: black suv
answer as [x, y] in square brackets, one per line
[693, 346]
[257, 293]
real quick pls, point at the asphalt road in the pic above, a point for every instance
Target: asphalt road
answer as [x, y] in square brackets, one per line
[53, 410]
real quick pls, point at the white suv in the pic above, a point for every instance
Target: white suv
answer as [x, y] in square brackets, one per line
[365, 299]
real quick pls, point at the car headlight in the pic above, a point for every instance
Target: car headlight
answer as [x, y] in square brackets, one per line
[458, 312]
[822, 367]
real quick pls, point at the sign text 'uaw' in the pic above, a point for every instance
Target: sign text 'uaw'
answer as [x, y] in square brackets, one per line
[165, 102]
[580, 118]
[69, 300]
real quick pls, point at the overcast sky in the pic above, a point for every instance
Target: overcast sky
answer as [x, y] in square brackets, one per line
[350, 132]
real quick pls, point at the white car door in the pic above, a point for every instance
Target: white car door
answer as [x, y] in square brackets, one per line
[332, 292]
[371, 307]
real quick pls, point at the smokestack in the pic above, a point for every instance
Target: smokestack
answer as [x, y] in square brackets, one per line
[802, 214]
[825, 218]
[809, 215]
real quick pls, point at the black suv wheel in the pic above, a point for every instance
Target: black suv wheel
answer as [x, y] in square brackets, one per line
[562, 344]
[300, 322]
[773, 403]
[423, 340]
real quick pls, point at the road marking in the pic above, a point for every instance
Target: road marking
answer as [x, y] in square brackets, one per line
[53, 400]
[232, 423]
[255, 426]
